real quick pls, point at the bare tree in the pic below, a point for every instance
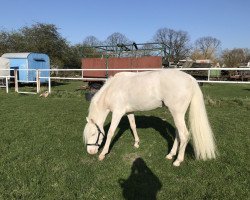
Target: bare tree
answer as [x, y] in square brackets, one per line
[91, 41]
[207, 47]
[116, 38]
[247, 55]
[177, 42]
[147, 49]
[233, 58]
[181, 45]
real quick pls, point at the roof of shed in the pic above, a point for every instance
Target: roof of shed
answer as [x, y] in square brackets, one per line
[16, 55]
[4, 63]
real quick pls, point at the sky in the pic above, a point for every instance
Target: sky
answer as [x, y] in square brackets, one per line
[138, 20]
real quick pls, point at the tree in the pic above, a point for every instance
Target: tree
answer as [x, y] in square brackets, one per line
[206, 47]
[42, 38]
[146, 50]
[247, 55]
[177, 43]
[4, 39]
[11, 42]
[85, 49]
[234, 58]
[45, 38]
[91, 41]
[116, 39]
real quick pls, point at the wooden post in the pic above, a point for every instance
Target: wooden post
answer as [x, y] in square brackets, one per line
[16, 80]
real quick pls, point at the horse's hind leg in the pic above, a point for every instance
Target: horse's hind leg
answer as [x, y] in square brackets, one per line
[131, 118]
[183, 137]
[174, 148]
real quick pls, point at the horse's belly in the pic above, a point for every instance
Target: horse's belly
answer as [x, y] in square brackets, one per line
[143, 105]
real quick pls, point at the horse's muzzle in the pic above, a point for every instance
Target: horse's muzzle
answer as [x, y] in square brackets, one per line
[92, 150]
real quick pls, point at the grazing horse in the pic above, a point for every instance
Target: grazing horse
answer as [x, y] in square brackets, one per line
[128, 92]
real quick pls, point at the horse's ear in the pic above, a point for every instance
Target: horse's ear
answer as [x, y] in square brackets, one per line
[90, 120]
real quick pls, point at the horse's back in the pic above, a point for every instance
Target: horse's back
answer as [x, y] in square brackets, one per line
[166, 73]
[161, 78]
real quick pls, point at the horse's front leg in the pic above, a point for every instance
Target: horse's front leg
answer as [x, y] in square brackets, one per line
[116, 117]
[131, 118]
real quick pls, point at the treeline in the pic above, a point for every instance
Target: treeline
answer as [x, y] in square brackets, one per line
[45, 38]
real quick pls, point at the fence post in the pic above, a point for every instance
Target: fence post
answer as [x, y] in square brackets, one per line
[16, 80]
[37, 81]
[208, 75]
[7, 84]
[49, 85]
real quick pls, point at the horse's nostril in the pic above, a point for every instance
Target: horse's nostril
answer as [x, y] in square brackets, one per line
[92, 151]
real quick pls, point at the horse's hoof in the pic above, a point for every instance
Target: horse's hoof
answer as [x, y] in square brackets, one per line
[136, 145]
[101, 157]
[176, 163]
[169, 157]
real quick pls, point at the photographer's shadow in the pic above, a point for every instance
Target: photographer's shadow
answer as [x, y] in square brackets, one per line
[141, 184]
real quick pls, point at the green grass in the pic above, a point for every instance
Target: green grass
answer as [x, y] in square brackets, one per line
[43, 156]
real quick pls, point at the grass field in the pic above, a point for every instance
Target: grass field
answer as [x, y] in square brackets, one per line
[43, 156]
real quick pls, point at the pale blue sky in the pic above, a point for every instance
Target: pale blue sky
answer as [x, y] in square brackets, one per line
[227, 20]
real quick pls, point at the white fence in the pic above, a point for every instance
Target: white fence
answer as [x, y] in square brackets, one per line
[50, 78]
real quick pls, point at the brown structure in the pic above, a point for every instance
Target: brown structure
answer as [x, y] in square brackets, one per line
[118, 63]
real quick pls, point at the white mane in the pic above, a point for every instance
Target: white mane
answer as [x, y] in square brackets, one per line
[97, 96]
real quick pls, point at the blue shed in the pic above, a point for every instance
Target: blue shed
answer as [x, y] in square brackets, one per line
[29, 61]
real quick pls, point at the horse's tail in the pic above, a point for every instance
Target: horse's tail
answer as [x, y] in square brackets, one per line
[202, 135]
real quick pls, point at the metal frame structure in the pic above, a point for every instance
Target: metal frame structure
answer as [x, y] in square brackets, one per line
[129, 50]
[134, 48]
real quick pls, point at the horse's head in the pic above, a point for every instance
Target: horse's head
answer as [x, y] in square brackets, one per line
[93, 136]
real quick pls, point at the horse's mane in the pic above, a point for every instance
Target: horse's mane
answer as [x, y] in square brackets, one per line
[99, 93]
[97, 96]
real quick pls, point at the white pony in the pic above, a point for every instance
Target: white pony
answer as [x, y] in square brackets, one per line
[127, 92]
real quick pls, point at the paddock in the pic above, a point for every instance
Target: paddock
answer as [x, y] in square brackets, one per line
[42, 154]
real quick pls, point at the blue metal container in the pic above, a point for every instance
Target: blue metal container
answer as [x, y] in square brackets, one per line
[25, 62]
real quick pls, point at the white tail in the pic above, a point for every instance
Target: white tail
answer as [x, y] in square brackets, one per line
[203, 138]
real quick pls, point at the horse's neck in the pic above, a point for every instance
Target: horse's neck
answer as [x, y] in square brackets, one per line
[98, 112]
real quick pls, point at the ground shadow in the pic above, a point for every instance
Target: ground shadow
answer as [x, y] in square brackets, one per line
[247, 89]
[165, 129]
[141, 184]
[58, 83]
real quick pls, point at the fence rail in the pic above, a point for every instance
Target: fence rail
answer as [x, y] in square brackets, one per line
[50, 78]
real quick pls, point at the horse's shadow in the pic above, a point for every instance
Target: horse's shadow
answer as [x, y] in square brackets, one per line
[165, 129]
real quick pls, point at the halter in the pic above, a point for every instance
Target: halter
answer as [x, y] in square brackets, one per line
[98, 136]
